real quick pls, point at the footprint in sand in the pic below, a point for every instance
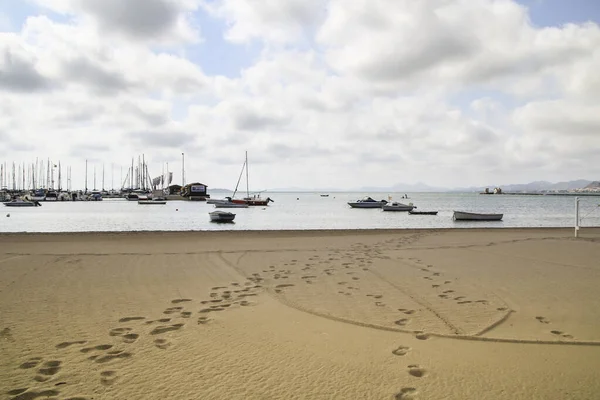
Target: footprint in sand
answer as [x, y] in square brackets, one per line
[379, 304]
[402, 321]
[31, 395]
[127, 319]
[163, 329]
[162, 320]
[130, 337]
[203, 320]
[118, 331]
[100, 347]
[64, 345]
[561, 333]
[107, 378]
[162, 344]
[31, 363]
[543, 320]
[186, 314]
[407, 393]
[421, 335]
[173, 310]
[401, 351]
[177, 301]
[416, 371]
[49, 369]
[207, 310]
[112, 355]
[435, 286]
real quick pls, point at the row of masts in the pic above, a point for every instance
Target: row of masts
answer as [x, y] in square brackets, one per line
[41, 174]
[48, 175]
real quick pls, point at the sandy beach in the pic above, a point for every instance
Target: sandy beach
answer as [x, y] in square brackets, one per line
[411, 314]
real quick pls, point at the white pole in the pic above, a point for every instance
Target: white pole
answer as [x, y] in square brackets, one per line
[576, 216]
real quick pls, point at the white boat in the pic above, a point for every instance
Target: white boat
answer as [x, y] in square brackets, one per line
[221, 216]
[367, 202]
[395, 206]
[51, 195]
[219, 201]
[231, 205]
[152, 201]
[468, 216]
[21, 203]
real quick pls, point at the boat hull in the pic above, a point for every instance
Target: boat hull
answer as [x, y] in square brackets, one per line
[19, 205]
[252, 202]
[423, 212]
[467, 216]
[398, 207]
[366, 204]
[221, 216]
[231, 205]
[150, 202]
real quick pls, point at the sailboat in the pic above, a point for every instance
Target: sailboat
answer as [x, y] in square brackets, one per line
[255, 200]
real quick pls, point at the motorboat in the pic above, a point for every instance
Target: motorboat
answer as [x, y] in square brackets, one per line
[413, 212]
[367, 202]
[221, 216]
[468, 216]
[231, 205]
[157, 201]
[395, 206]
[324, 195]
[22, 203]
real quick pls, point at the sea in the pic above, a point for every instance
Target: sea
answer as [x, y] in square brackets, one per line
[302, 211]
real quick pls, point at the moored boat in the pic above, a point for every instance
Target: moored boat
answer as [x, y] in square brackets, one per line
[468, 216]
[255, 200]
[395, 206]
[413, 212]
[221, 216]
[152, 201]
[231, 205]
[367, 202]
[22, 203]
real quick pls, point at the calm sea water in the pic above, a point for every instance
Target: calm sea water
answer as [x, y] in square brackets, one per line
[300, 211]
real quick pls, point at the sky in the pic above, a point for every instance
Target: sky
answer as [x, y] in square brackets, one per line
[320, 93]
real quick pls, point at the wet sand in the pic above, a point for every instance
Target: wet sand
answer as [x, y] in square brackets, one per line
[412, 314]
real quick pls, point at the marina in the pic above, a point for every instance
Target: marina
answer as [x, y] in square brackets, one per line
[301, 211]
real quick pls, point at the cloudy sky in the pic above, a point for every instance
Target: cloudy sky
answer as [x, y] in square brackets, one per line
[321, 93]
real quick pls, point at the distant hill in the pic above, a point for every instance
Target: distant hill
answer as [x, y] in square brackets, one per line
[593, 185]
[536, 186]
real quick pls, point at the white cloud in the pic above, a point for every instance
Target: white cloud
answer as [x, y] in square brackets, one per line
[273, 21]
[163, 21]
[343, 94]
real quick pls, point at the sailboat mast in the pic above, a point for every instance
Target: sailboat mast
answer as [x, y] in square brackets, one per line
[94, 177]
[103, 177]
[86, 176]
[247, 182]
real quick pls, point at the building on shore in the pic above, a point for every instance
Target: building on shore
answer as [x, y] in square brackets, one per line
[195, 191]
